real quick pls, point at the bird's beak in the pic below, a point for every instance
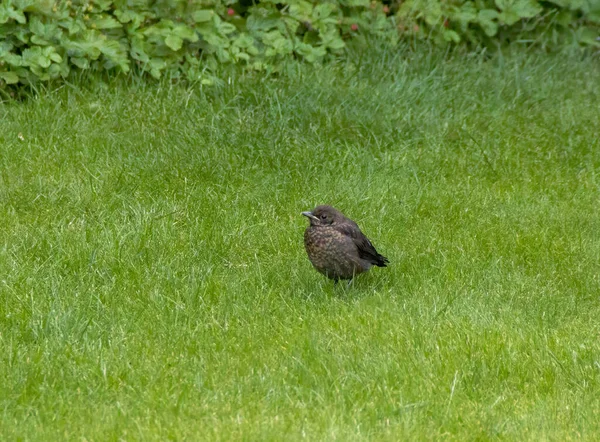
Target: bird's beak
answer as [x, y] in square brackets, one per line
[310, 215]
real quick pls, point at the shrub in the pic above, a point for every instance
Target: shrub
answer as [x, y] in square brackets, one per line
[551, 23]
[43, 39]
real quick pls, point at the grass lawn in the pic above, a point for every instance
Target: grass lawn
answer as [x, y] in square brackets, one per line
[154, 284]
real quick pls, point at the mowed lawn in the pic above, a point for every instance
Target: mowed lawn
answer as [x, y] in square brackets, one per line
[154, 284]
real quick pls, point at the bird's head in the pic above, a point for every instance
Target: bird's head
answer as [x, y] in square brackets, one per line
[323, 216]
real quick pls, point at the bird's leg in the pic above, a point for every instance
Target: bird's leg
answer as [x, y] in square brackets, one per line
[350, 282]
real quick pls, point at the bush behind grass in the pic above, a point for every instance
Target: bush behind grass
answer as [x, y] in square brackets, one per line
[42, 41]
[155, 285]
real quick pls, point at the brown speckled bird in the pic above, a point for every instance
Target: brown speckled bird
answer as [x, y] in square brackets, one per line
[336, 247]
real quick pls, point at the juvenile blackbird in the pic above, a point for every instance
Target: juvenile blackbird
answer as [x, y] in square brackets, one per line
[336, 247]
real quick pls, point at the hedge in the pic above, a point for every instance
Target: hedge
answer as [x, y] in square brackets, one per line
[41, 40]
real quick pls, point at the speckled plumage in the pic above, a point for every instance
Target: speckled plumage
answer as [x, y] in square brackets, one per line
[336, 247]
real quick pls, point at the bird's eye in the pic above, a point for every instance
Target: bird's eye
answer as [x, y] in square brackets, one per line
[323, 216]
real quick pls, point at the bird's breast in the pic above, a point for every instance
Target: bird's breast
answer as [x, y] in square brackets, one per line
[320, 236]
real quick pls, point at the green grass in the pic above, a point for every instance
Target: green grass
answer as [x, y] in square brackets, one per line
[154, 285]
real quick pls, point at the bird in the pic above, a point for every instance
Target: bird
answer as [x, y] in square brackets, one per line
[336, 247]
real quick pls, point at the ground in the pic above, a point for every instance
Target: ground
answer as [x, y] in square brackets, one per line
[154, 283]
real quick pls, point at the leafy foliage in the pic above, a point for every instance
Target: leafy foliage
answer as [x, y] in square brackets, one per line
[43, 39]
[495, 22]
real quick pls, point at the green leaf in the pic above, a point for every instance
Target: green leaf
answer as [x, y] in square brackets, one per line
[105, 22]
[243, 41]
[7, 12]
[55, 57]
[39, 41]
[43, 7]
[73, 26]
[138, 50]
[242, 56]
[36, 26]
[466, 14]
[81, 63]
[156, 65]
[127, 16]
[262, 19]
[32, 56]
[56, 70]
[174, 42]
[185, 32]
[450, 35]
[310, 53]
[433, 13]
[113, 51]
[301, 10]
[332, 39]
[588, 36]
[487, 14]
[44, 61]
[279, 45]
[86, 43]
[323, 10]
[528, 8]
[515, 10]
[486, 19]
[9, 77]
[564, 18]
[508, 17]
[226, 28]
[355, 3]
[202, 15]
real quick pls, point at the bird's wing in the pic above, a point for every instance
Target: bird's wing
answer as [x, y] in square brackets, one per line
[366, 250]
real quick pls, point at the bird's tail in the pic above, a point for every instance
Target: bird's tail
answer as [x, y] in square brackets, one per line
[382, 261]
